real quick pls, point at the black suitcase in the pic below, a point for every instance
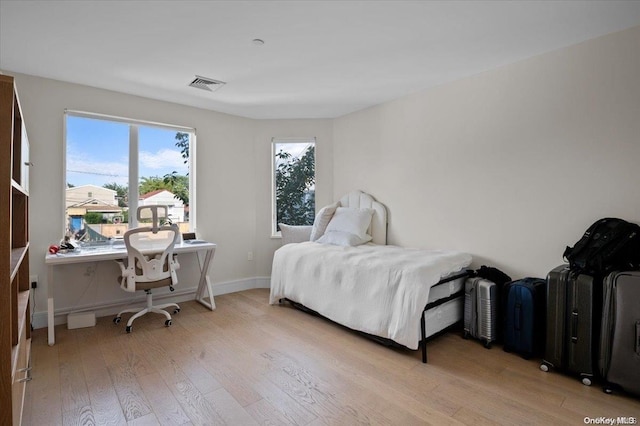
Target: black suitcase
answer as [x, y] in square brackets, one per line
[620, 343]
[572, 323]
[524, 316]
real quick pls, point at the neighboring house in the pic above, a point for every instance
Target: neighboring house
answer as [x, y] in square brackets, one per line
[162, 197]
[83, 193]
[80, 200]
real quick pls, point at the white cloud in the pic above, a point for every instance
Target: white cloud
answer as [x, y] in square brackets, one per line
[163, 159]
[112, 171]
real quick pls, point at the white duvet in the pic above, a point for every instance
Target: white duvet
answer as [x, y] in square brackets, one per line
[380, 290]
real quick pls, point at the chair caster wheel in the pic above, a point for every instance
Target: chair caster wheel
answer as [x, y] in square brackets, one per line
[586, 381]
[487, 345]
[167, 323]
[544, 367]
[176, 310]
[128, 329]
[116, 320]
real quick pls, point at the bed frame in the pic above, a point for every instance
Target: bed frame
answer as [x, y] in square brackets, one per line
[388, 342]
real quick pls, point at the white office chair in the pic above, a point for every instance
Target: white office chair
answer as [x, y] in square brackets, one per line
[155, 269]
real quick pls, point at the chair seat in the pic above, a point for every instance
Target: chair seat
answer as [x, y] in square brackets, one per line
[148, 286]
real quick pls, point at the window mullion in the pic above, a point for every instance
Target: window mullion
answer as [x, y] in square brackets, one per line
[134, 195]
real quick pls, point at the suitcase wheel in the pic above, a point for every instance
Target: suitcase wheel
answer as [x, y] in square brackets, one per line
[607, 390]
[544, 367]
[586, 381]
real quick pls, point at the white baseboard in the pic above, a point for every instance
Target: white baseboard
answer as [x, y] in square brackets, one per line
[39, 319]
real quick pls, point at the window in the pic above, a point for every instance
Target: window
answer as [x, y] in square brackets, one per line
[113, 165]
[294, 178]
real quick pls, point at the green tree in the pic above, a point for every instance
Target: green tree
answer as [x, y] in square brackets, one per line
[122, 192]
[179, 184]
[183, 143]
[295, 179]
[93, 217]
[152, 183]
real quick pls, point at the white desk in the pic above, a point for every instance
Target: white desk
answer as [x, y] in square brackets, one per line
[97, 254]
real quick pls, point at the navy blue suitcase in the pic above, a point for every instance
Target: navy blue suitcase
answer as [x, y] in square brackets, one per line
[524, 316]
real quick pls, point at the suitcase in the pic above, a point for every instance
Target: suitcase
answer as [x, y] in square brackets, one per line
[524, 316]
[620, 343]
[572, 323]
[481, 310]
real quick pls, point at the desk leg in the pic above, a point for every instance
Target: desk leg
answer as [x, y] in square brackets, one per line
[50, 317]
[205, 282]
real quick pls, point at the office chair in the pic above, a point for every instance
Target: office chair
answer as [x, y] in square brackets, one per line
[156, 268]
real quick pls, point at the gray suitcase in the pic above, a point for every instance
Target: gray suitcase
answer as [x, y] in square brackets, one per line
[572, 323]
[481, 310]
[620, 340]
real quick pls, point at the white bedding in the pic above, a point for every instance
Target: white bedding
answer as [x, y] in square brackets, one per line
[378, 289]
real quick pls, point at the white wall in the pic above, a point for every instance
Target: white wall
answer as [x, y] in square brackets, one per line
[232, 168]
[510, 165]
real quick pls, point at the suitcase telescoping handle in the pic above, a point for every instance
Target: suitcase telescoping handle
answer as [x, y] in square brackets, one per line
[574, 327]
[638, 337]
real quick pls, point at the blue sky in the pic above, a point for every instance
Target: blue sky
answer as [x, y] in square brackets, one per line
[98, 152]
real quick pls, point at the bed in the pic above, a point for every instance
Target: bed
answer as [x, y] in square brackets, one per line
[398, 296]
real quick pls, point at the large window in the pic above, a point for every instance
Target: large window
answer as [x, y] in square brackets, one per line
[294, 177]
[113, 165]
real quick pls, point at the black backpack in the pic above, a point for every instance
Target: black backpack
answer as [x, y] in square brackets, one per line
[609, 244]
[494, 275]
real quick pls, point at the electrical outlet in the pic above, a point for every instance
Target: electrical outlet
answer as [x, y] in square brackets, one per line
[250, 255]
[33, 279]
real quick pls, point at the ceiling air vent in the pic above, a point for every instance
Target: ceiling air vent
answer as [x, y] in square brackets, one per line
[207, 84]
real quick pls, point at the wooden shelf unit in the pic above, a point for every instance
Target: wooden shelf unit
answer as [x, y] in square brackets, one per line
[15, 316]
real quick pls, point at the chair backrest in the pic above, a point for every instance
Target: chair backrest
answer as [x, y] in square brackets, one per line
[159, 214]
[150, 256]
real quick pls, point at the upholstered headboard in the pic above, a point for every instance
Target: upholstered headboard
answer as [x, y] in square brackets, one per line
[360, 200]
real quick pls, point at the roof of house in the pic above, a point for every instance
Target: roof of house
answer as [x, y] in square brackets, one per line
[152, 193]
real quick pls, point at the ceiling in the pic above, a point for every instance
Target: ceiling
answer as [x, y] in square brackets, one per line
[320, 59]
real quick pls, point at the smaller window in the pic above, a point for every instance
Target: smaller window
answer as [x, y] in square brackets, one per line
[294, 178]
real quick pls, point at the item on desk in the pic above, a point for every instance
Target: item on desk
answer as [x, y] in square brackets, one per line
[186, 236]
[53, 249]
[195, 242]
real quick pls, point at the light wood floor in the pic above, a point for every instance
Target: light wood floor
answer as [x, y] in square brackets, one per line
[249, 363]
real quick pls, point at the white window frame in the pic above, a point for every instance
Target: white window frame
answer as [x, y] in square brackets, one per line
[276, 141]
[133, 161]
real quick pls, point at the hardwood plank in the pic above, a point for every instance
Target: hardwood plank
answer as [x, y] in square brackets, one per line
[265, 414]
[228, 408]
[191, 400]
[132, 399]
[76, 403]
[166, 408]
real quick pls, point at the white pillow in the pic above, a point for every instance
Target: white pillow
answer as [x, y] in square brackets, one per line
[353, 221]
[322, 220]
[294, 233]
[340, 238]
